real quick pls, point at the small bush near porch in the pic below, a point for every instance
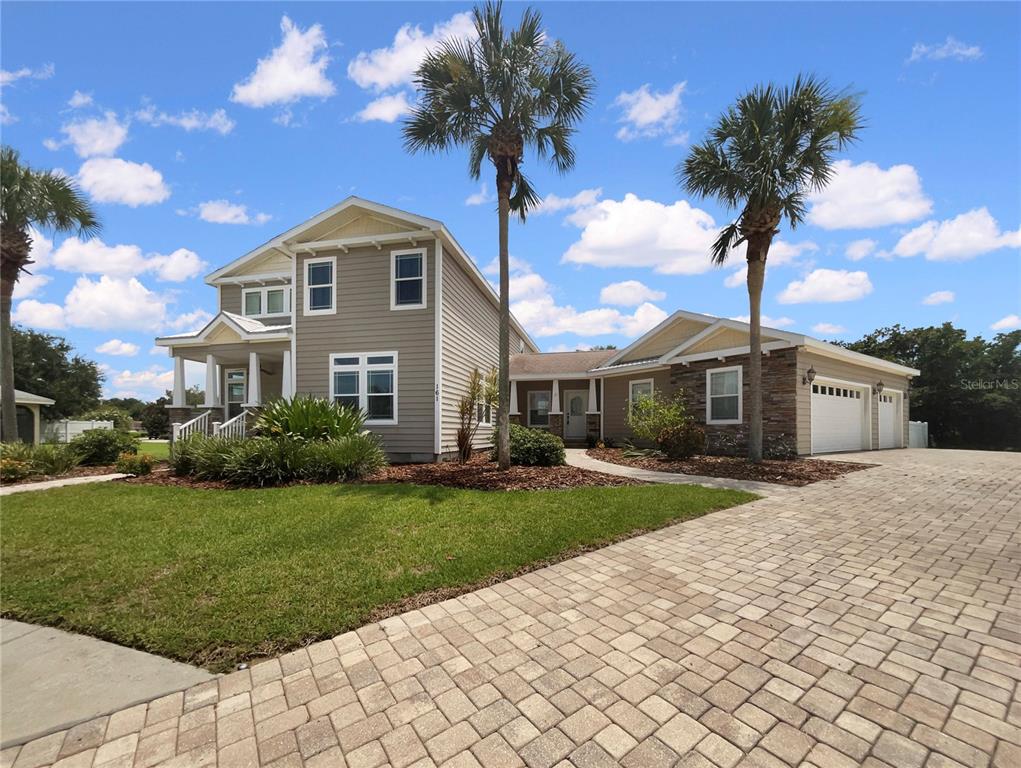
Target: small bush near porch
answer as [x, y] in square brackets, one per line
[215, 578]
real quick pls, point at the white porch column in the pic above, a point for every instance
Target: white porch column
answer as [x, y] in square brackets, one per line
[593, 401]
[514, 398]
[286, 384]
[554, 406]
[211, 368]
[179, 399]
[254, 380]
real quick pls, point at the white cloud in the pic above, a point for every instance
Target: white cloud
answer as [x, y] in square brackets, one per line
[828, 328]
[155, 379]
[190, 321]
[865, 195]
[766, 321]
[827, 285]
[118, 348]
[6, 118]
[939, 297]
[963, 237]
[527, 285]
[859, 249]
[554, 203]
[42, 248]
[45, 72]
[159, 351]
[1008, 323]
[192, 120]
[178, 266]
[79, 99]
[112, 180]
[37, 314]
[92, 137]
[294, 70]
[385, 109]
[579, 347]
[225, 212]
[395, 65]
[29, 285]
[629, 293]
[114, 303]
[481, 197]
[96, 257]
[781, 254]
[648, 114]
[514, 264]
[951, 48]
[671, 239]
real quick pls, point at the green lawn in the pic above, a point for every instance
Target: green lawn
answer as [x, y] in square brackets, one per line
[215, 577]
[158, 450]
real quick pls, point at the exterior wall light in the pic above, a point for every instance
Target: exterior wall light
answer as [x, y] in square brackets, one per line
[879, 387]
[809, 376]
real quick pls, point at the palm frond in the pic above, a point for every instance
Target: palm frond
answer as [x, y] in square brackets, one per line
[728, 239]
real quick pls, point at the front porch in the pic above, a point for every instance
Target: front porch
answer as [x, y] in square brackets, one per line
[569, 408]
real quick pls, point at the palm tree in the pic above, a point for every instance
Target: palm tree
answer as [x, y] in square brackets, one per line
[499, 95]
[29, 198]
[764, 156]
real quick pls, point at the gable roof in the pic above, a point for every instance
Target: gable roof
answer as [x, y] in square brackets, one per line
[558, 362]
[247, 328]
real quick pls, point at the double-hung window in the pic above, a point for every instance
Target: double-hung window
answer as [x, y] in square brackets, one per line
[266, 301]
[538, 408]
[368, 382]
[320, 286]
[723, 395]
[639, 389]
[407, 279]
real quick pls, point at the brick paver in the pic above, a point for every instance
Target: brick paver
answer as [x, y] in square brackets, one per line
[871, 620]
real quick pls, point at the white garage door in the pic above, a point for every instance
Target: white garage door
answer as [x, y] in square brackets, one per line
[838, 418]
[890, 424]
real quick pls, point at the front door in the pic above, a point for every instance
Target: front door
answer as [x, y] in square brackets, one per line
[575, 427]
[236, 391]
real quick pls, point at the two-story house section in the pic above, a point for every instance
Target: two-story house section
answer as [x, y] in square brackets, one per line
[364, 304]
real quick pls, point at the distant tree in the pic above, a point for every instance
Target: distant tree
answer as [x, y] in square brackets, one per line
[156, 419]
[132, 405]
[194, 396]
[121, 419]
[969, 390]
[47, 367]
[603, 346]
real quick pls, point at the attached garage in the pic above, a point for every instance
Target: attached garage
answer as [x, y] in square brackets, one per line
[839, 417]
[891, 422]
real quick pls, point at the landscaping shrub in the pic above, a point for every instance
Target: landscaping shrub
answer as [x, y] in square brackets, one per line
[135, 463]
[102, 446]
[17, 451]
[665, 422]
[121, 418]
[682, 441]
[534, 447]
[480, 393]
[12, 470]
[55, 459]
[308, 418]
[346, 458]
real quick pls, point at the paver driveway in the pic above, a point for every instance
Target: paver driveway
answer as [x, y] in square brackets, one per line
[870, 620]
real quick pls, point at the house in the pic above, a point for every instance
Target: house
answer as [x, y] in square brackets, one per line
[817, 397]
[382, 309]
[363, 303]
[27, 407]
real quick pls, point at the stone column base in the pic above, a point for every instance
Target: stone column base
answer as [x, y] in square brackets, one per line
[556, 424]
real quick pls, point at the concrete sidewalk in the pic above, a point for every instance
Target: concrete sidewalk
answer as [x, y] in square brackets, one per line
[45, 485]
[51, 680]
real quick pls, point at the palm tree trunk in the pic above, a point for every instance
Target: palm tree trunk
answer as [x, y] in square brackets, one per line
[756, 279]
[8, 411]
[504, 183]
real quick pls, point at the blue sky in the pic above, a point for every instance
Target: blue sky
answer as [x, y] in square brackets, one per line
[201, 130]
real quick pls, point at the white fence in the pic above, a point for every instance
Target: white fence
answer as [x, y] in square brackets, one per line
[66, 430]
[918, 434]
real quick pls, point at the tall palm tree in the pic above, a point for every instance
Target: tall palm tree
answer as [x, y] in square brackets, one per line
[29, 198]
[498, 95]
[763, 157]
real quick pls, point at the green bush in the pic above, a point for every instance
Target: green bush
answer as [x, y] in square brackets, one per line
[534, 447]
[345, 458]
[12, 470]
[135, 463]
[55, 459]
[102, 446]
[17, 451]
[121, 419]
[308, 418]
[682, 441]
[665, 422]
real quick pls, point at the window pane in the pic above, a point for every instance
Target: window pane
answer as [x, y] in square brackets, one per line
[236, 375]
[724, 383]
[409, 266]
[321, 298]
[381, 382]
[345, 384]
[253, 303]
[724, 407]
[381, 406]
[643, 389]
[235, 393]
[409, 292]
[351, 401]
[380, 360]
[275, 301]
[345, 361]
[320, 274]
[539, 401]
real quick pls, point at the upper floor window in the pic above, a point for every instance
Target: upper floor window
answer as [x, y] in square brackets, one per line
[723, 395]
[407, 279]
[320, 286]
[266, 301]
[368, 382]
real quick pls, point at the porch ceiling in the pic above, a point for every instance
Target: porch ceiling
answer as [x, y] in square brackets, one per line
[234, 354]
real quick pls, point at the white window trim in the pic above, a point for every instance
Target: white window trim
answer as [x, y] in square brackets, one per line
[631, 388]
[740, 395]
[528, 406]
[362, 369]
[424, 253]
[487, 422]
[332, 261]
[263, 290]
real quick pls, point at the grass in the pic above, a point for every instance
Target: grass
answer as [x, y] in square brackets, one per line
[217, 577]
[158, 450]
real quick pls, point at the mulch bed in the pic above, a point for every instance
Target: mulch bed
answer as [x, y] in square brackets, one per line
[795, 472]
[76, 472]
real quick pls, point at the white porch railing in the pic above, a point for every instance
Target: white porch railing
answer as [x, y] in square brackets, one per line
[235, 427]
[197, 426]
